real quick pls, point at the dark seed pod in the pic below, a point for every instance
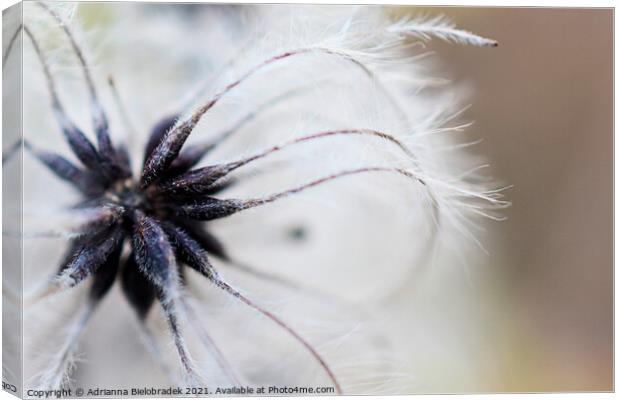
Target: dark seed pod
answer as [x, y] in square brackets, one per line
[84, 181]
[104, 277]
[91, 254]
[81, 146]
[157, 134]
[209, 242]
[138, 290]
[189, 158]
[101, 126]
[189, 251]
[124, 162]
[207, 208]
[152, 250]
[164, 153]
[196, 182]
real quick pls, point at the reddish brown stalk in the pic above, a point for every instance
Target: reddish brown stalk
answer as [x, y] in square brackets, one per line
[288, 329]
[273, 197]
[193, 154]
[168, 149]
[307, 138]
[294, 286]
[201, 179]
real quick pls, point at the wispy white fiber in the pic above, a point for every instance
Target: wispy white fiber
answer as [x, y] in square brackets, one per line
[441, 28]
[56, 373]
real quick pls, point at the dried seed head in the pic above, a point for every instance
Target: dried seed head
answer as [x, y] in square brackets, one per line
[359, 116]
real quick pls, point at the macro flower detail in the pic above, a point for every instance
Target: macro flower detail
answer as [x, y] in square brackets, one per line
[144, 229]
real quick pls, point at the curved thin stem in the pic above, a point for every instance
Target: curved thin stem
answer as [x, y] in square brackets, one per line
[5, 56]
[307, 138]
[76, 48]
[148, 340]
[210, 175]
[276, 196]
[79, 143]
[121, 107]
[193, 154]
[11, 151]
[209, 343]
[207, 84]
[169, 148]
[292, 285]
[100, 120]
[49, 78]
[230, 290]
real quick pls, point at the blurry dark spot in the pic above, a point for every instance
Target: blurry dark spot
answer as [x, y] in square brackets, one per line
[298, 233]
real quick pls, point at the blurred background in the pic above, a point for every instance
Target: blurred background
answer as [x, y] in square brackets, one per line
[543, 105]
